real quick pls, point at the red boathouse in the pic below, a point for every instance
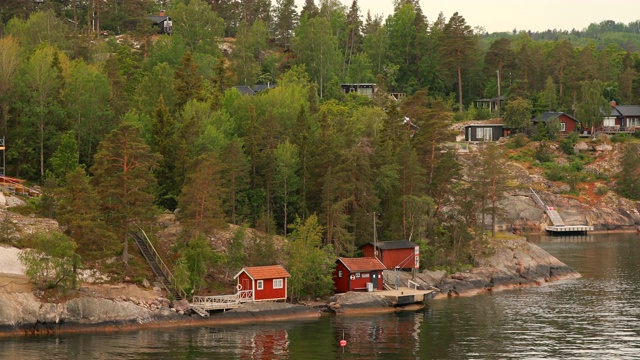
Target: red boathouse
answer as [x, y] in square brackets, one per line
[265, 282]
[353, 274]
[401, 254]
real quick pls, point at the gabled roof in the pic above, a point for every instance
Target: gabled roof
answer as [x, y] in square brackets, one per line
[261, 87]
[396, 244]
[626, 110]
[245, 90]
[362, 264]
[158, 19]
[265, 272]
[551, 115]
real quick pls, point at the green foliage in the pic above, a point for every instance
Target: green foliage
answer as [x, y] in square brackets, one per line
[517, 114]
[196, 260]
[601, 190]
[65, 159]
[621, 138]
[51, 261]
[628, 183]
[543, 153]
[518, 141]
[310, 263]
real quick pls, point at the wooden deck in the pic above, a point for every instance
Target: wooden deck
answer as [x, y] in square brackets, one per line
[405, 295]
[203, 304]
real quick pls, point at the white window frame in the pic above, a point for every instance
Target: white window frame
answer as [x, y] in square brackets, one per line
[563, 126]
[278, 283]
[357, 275]
[365, 275]
[339, 273]
[260, 285]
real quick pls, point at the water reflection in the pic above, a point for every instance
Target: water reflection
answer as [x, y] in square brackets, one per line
[594, 317]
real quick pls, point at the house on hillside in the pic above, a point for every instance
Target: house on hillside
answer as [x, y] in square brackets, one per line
[484, 132]
[623, 119]
[399, 254]
[263, 283]
[568, 123]
[252, 91]
[163, 22]
[366, 89]
[490, 104]
[355, 274]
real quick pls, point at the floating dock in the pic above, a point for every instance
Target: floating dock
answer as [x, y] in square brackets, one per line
[405, 295]
[558, 224]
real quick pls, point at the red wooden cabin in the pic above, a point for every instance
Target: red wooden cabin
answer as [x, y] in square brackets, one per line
[353, 274]
[401, 254]
[264, 282]
[568, 123]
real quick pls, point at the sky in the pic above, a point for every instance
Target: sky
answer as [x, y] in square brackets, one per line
[506, 15]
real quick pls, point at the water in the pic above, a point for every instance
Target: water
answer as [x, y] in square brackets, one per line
[595, 317]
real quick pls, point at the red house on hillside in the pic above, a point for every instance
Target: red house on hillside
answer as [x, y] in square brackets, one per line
[568, 123]
[401, 254]
[353, 274]
[263, 282]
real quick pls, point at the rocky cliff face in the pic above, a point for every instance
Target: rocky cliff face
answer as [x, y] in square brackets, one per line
[514, 263]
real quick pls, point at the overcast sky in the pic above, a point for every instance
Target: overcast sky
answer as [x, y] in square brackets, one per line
[506, 15]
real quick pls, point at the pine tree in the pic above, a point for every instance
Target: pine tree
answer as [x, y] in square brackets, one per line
[286, 19]
[123, 178]
[188, 84]
[164, 131]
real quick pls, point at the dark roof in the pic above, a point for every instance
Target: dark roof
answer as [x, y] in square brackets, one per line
[627, 110]
[502, 98]
[396, 244]
[484, 125]
[245, 90]
[551, 115]
[159, 19]
[260, 87]
[362, 264]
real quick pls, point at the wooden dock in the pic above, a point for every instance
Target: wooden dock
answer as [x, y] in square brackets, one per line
[558, 227]
[405, 295]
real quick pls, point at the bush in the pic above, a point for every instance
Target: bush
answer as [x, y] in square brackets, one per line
[601, 190]
[51, 262]
[567, 146]
[542, 153]
[519, 141]
[620, 138]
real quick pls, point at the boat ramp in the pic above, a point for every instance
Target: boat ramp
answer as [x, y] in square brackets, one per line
[558, 227]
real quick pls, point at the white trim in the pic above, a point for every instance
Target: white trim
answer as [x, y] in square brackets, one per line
[281, 281]
[243, 271]
[260, 285]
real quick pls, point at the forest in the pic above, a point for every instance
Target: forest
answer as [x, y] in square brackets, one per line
[117, 123]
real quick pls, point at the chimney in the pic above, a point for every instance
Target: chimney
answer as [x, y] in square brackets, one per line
[161, 13]
[613, 104]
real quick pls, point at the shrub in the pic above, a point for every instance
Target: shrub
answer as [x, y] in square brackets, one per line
[542, 153]
[601, 190]
[567, 146]
[620, 138]
[519, 141]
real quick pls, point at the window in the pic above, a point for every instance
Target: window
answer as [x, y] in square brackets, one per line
[339, 273]
[365, 275]
[277, 283]
[357, 275]
[563, 126]
[260, 285]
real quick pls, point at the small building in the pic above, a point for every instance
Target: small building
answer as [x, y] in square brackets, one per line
[252, 91]
[399, 254]
[367, 90]
[492, 104]
[568, 123]
[353, 274]
[483, 132]
[265, 282]
[163, 22]
[623, 118]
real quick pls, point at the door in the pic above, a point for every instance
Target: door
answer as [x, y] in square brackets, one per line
[374, 279]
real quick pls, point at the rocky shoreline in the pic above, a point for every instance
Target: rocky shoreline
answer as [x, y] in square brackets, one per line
[514, 263]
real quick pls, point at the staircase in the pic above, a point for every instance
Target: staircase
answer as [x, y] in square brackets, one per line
[553, 214]
[161, 270]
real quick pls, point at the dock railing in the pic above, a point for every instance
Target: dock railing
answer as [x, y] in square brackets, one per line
[163, 267]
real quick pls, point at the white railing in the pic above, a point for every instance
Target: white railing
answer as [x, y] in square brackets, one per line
[412, 285]
[245, 295]
[163, 267]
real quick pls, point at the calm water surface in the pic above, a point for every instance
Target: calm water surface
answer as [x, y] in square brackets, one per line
[595, 317]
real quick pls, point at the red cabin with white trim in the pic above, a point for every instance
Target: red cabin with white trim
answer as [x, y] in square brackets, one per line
[400, 254]
[264, 283]
[353, 274]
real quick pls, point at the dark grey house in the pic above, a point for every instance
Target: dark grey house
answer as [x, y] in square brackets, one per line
[163, 22]
[483, 132]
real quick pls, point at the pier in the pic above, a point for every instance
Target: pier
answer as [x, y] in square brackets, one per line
[558, 224]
